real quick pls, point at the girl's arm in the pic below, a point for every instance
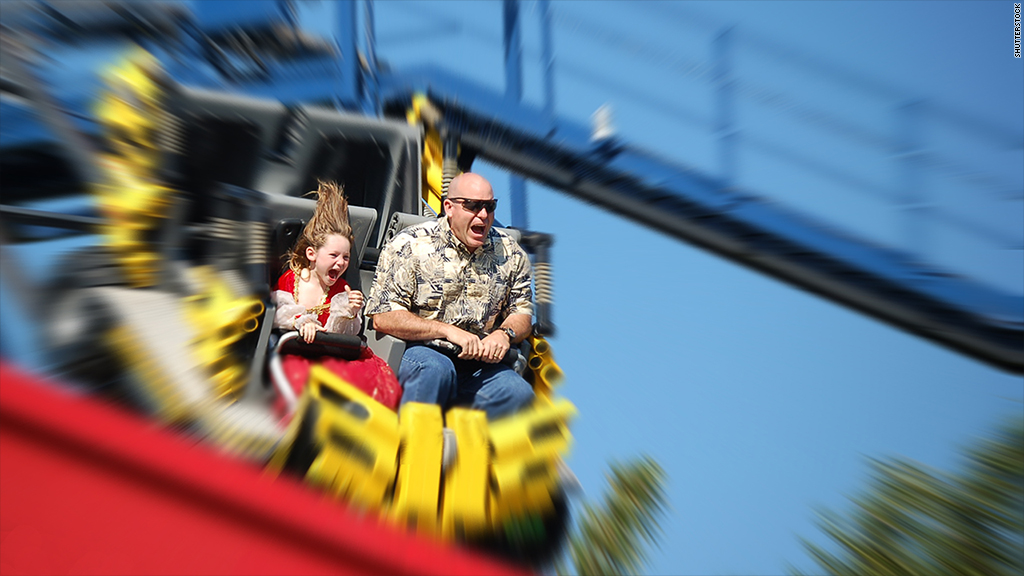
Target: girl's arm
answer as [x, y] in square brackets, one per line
[346, 313]
[289, 315]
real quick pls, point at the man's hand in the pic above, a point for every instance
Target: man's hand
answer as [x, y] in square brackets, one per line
[494, 347]
[472, 347]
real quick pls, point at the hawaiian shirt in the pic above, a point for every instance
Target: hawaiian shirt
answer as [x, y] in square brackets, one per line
[426, 270]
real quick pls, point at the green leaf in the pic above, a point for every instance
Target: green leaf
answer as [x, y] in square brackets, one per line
[612, 538]
[917, 520]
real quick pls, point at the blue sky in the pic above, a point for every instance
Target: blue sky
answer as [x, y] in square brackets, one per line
[761, 401]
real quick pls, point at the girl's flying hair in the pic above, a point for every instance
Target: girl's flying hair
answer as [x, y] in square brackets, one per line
[330, 217]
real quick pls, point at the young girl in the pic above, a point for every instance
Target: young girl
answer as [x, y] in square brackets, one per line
[312, 296]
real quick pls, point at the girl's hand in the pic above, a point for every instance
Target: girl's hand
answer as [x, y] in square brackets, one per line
[355, 299]
[309, 330]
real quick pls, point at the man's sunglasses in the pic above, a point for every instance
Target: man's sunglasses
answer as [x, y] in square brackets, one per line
[474, 206]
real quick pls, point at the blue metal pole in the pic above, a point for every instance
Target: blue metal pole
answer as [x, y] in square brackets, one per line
[725, 107]
[346, 38]
[513, 94]
[547, 51]
[911, 188]
[513, 52]
[371, 99]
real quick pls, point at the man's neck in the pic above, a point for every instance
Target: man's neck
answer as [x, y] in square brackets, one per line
[458, 241]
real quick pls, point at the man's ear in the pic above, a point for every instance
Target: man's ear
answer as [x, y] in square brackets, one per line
[446, 207]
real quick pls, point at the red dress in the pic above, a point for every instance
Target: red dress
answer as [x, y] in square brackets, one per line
[368, 373]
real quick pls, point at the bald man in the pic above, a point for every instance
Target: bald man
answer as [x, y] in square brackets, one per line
[460, 280]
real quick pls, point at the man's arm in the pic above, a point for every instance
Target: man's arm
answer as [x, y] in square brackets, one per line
[521, 323]
[408, 326]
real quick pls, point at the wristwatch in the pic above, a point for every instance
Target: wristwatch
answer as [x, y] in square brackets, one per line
[510, 333]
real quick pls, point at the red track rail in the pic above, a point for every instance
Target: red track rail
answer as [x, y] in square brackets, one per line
[87, 487]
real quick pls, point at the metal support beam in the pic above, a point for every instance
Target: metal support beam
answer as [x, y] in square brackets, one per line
[910, 157]
[548, 53]
[20, 59]
[371, 95]
[46, 219]
[513, 52]
[725, 107]
[346, 38]
[514, 93]
[19, 337]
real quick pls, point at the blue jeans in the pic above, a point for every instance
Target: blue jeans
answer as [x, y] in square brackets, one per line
[430, 377]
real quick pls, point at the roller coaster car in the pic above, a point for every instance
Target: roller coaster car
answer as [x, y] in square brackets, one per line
[495, 485]
[181, 304]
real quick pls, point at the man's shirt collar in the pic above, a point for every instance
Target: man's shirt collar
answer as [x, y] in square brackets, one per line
[451, 239]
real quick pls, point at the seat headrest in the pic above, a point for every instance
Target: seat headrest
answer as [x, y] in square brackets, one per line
[288, 209]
